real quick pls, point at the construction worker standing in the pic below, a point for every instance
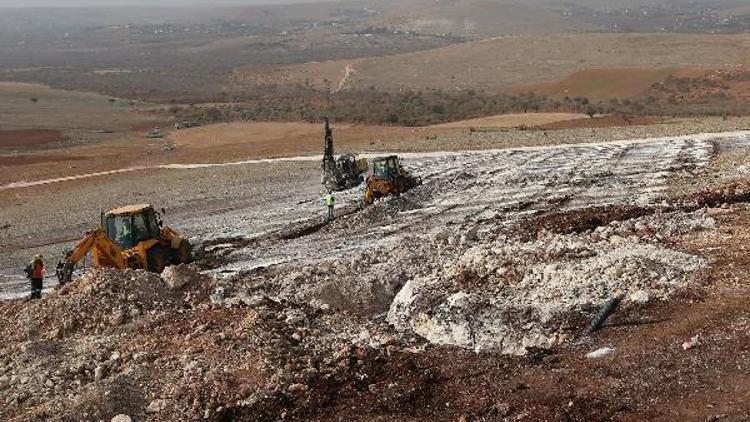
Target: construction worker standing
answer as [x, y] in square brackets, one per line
[330, 202]
[35, 273]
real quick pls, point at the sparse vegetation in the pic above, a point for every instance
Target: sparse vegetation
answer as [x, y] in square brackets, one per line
[410, 108]
[424, 107]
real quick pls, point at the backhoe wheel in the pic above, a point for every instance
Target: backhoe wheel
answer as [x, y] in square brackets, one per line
[183, 254]
[158, 259]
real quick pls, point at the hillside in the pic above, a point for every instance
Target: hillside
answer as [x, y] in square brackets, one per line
[509, 63]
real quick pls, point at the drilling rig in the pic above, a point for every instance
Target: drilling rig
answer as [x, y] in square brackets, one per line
[344, 172]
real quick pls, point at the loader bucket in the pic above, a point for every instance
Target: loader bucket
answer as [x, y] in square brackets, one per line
[64, 272]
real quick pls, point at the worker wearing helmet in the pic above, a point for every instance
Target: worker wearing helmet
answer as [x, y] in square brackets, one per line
[35, 273]
[330, 202]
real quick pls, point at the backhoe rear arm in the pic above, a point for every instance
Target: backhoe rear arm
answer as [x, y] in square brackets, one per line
[102, 249]
[99, 241]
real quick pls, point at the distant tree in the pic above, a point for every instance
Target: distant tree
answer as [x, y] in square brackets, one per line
[591, 111]
[212, 114]
[637, 107]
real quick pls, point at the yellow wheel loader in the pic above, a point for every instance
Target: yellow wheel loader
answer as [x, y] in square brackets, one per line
[388, 178]
[129, 237]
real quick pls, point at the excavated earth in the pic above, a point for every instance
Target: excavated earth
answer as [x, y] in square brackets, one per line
[465, 298]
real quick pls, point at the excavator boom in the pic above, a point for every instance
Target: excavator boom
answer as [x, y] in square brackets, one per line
[103, 252]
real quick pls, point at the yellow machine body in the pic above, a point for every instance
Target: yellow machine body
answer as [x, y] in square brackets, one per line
[388, 178]
[140, 243]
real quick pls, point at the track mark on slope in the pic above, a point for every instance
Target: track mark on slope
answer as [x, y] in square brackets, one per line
[348, 72]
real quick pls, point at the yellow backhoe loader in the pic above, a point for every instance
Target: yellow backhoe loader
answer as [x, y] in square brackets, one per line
[129, 237]
[388, 178]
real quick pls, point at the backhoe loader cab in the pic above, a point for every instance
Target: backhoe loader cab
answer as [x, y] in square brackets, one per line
[130, 225]
[388, 178]
[386, 167]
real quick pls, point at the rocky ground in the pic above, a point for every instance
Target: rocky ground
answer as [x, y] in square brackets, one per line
[463, 299]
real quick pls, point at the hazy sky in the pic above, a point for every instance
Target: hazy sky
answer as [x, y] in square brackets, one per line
[60, 3]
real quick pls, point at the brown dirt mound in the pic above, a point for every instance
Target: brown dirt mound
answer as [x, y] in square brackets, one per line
[101, 301]
[29, 137]
[580, 220]
[731, 194]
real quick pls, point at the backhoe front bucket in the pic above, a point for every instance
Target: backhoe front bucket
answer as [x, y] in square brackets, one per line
[64, 272]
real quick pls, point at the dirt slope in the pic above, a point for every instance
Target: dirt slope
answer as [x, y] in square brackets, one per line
[512, 120]
[597, 84]
[305, 339]
[33, 106]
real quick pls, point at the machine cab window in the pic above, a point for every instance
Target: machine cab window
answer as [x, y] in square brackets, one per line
[380, 168]
[131, 225]
[120, 229]
[386, 167]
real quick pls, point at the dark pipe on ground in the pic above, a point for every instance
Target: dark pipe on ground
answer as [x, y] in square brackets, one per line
[603, 314]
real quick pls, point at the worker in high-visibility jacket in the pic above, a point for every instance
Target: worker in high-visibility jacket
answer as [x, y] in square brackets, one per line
[35, 273]
[330, 202]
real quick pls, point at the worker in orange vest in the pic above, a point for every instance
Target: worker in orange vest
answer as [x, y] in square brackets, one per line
[35, 273]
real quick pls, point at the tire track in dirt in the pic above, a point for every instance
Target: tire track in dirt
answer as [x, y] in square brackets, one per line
[407, 156]
[495, 189]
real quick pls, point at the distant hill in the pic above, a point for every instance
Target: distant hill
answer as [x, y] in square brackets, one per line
[219, 52]
[599, 65]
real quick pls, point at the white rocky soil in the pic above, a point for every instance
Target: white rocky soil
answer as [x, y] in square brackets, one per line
[446, 261]
[505, 251]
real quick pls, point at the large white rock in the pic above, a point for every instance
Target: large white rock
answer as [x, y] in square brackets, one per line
[178, 276]
[494, 313]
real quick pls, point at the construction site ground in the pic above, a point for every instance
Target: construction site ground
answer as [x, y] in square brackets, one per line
[463, 299]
